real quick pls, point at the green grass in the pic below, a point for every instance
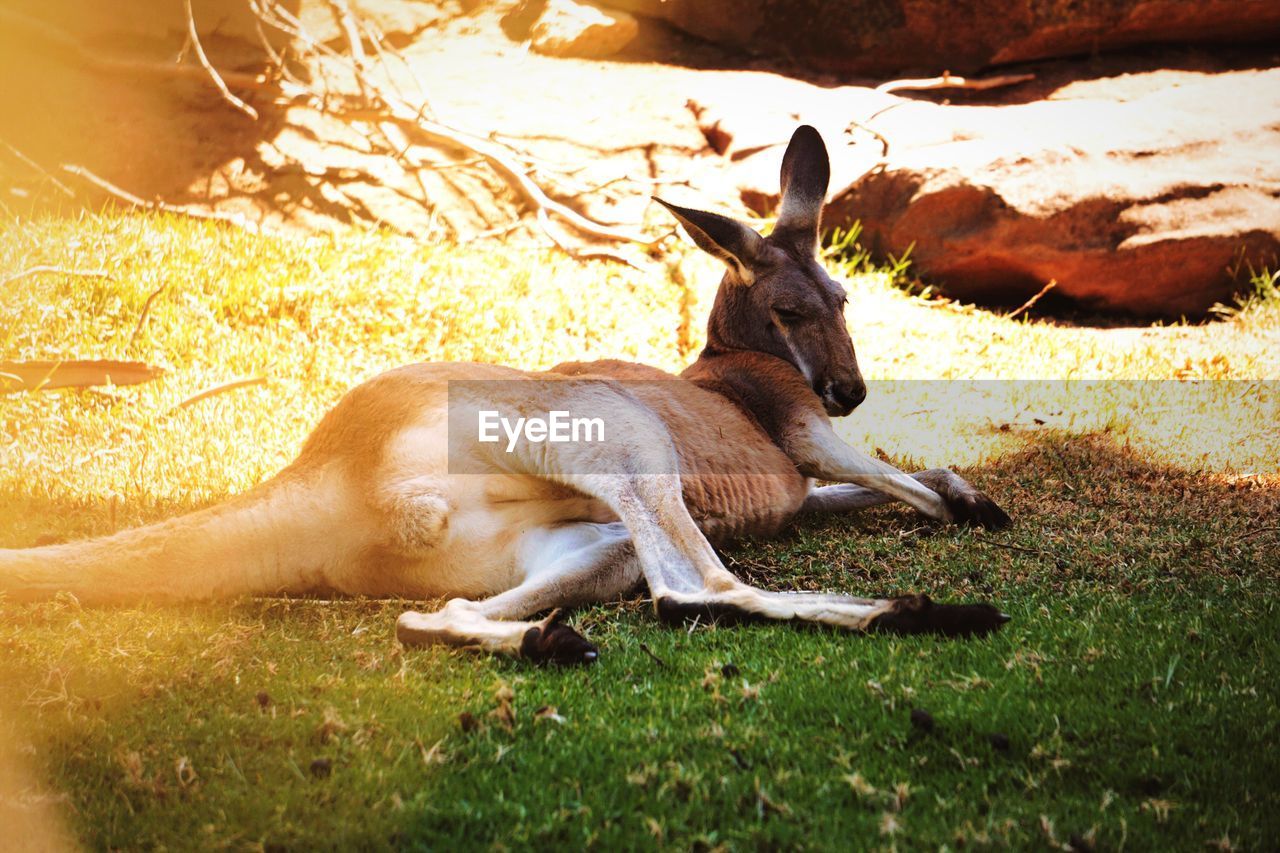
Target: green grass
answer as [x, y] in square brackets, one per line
[1137, 686]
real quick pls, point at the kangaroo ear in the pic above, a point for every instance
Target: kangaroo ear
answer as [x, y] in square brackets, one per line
[729, 240]
[806, 171]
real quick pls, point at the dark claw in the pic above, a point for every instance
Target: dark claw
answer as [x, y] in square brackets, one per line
[973, 507]
[557, 643]
[918, 614]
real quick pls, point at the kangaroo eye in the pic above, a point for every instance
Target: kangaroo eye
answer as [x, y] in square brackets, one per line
[786, 315]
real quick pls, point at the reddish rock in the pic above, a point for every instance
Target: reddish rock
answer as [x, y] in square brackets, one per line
[890, 36]
[1133, 195]
[582, 30]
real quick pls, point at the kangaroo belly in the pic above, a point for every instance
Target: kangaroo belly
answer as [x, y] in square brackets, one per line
[736, 481]
[732, 505]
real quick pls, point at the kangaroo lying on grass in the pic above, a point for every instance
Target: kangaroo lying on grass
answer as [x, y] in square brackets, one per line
[386, 499]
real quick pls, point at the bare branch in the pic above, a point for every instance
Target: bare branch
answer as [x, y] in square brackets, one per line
[181, 209]
[66, 190]
[1026, 306]
[946, 81]
[884, 143]
[144, 313]
[223, 388]
[377, 106]
[499, 158]
[213, 72]
[50, 270]
[951, 81]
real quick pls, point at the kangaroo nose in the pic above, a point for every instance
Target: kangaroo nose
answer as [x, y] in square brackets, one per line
[851, 394]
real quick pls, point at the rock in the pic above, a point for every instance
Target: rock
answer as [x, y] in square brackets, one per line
[581, 30]
[228, 28]
[922, 720]
[890, 36]
[1134, 195]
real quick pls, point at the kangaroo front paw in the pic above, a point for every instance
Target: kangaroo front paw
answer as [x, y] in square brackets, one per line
[556, 642]
[918, 614]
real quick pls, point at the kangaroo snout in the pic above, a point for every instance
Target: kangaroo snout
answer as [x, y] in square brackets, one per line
[841, 398]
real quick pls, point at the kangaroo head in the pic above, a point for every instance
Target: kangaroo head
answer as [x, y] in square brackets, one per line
[775, 297]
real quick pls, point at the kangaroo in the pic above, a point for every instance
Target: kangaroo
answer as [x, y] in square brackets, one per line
[392, 496]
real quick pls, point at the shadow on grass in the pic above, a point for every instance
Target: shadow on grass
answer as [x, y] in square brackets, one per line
[1132, 697]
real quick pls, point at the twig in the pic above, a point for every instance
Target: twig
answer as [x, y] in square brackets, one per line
[659, 661]
[233, 385]
[946, 81]
[1256, 532]
[496, 231]
[951, 81]
[49, 270]
[213, 72]
[502, 163]
[500, 159]
[146, 312]
[379, 42]
[184, 210]
[1012, 547]
[379, 106]
[1053, 282]
[884, 142]
[41, 169]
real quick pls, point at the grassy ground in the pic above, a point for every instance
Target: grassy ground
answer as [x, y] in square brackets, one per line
[1133, 701]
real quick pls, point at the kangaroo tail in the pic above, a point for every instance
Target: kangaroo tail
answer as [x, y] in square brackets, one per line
[291, 534]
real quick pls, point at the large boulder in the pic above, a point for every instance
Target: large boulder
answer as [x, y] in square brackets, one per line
[1145, 195]
[582, 30]
[889, 36]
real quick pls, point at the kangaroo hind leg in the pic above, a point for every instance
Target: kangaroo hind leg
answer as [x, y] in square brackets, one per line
[689, 582]
[565, 566]
[416, 514]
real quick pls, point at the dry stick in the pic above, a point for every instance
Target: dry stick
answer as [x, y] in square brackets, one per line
[277, 59]
[219, 389]
[659, 661]
[512, 174]
[184, 210]
[213, 72]
[380, 45]
[496, 231]
[146, 312]
[1013, 547]
[48, 270]
[1255, 532]
[499, 159]
[951, 81]
[396, 110]
[37, 167]
[884, 142]
[346, 22]
[946, 81]
[1026, 306]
